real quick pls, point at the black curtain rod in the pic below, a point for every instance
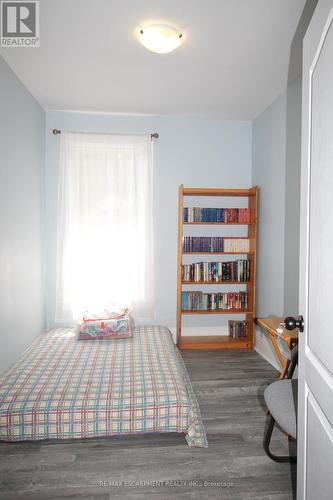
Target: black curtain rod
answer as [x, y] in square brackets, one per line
[154, 135]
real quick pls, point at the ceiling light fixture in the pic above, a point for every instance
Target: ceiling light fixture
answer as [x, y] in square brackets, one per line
[160, 38]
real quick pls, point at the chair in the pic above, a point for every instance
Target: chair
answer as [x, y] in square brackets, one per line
[281, 401]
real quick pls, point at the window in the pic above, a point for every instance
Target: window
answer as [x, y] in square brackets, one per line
[105, 241]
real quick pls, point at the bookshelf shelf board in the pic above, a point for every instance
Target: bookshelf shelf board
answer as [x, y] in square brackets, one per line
[217, 253]
[216, 311]
[214, 342]
[218, 223]
[217, 192]
[225, 282]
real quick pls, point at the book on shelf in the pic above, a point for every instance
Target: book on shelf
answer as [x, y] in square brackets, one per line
[214, 301]
[222, 215]
[215, 272]
[238, 329]
[197, 244]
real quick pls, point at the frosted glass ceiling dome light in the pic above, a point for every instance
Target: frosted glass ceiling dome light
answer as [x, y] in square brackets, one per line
[160, 38]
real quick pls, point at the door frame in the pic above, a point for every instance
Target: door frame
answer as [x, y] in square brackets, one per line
[312, 46]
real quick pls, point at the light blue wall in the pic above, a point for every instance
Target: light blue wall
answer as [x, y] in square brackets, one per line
[22, 125]
[192, 151]
[276, 169]
[269, 172]
[292, 195]
[269, 151]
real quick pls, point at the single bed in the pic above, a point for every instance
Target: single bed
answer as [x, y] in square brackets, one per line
[62, 388]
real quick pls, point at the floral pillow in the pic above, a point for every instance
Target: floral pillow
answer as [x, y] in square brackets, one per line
[115, 326]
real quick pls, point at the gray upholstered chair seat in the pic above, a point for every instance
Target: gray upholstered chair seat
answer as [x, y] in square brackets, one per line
[281, 401]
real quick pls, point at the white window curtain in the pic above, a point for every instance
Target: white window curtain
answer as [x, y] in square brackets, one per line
[105, 237]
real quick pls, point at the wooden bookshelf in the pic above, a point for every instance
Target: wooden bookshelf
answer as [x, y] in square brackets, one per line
[218, 341]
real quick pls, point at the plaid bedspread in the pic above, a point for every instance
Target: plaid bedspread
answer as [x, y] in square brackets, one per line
[64, 388]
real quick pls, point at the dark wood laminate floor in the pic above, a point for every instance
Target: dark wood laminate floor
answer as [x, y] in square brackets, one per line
[229, 387]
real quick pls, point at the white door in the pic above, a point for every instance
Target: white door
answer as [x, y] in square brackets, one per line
[315, 417]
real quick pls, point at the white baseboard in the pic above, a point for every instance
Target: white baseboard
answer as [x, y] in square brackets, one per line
[269, 359]
[264, 348]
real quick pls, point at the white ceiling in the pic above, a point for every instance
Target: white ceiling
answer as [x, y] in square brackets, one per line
[232, 64]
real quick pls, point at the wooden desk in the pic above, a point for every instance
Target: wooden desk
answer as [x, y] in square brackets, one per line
[270, 324]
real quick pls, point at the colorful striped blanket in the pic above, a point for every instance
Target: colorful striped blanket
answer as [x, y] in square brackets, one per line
[63, 388]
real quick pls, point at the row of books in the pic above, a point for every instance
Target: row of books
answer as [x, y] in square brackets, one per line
[226, 215]
[214, 301]
[238, 329]
[197, 244]
[212, 272]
